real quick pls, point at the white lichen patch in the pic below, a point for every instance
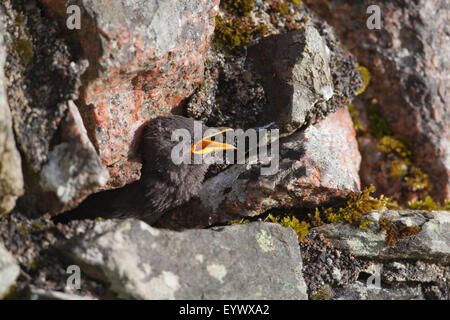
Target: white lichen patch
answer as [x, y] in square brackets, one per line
[161, 287]
[217, 271]
[145, 227]
[265, 241]
[199, 258]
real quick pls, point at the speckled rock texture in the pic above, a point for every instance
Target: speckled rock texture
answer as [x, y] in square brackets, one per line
[145, 58]
[295, 70]
[9, 270]
[431, 243]
[318, 165]
[234, 262]
[409, 62]
[43, 75]
[278, 75]
[11, 180]
[74, 169]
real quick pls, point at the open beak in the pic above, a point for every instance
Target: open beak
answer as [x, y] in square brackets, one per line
[205, 146]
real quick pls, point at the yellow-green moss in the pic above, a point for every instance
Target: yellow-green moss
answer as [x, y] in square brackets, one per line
[358, 205]
[324, 293]
[282, 7]
[241, 221]
[389, 144]
[20, 18]
[378, 126]
[231, 34]
[418, 180]
[395, 231]
[262, 29]
[300, 228]
[399, 167]
[355, 117]
[240, 7]
[24, 48]
[429, 205]
[365, 73]
[11, 293]
[295, 2]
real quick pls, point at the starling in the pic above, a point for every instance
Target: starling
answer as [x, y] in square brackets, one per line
[163, 184]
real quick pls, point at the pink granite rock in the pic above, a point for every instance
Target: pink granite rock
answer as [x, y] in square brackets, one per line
[409, 62]
[145, 58]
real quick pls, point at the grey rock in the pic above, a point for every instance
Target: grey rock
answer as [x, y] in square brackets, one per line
[362, 291]
[9, 270]
[73, 169]
[41, 294]
[233, 262]
[295, 70]
[431, 243]
[11, 179]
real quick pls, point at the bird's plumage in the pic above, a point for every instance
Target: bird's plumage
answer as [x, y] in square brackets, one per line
[163, 185]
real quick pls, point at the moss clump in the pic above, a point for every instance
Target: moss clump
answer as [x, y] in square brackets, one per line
[365, 73]
[241, 221]
[378, 126]
[240, 7]
[418, 180]
[358, 205]
[282, 7]
[429, 205]
[300, 228]
[355, 117]
[395, 231]
[11, 294]
[231, 34]
[399, 167]
[262, 29]
[295, 2]
[389, 144]
[25, 50]
[324, 293]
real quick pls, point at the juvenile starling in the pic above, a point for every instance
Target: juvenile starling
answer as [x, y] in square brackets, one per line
[163, 185]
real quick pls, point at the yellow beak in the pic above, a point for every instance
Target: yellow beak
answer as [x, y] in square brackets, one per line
[205, 146]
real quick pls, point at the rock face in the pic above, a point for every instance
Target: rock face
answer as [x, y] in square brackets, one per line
[234, 262]
[409, 62]
[73, 169]
[9, 270]
[144, 58]
[295, 70]
[11, 180]
[293, 73]
[316, 166]
[59, 163]
[431, 243]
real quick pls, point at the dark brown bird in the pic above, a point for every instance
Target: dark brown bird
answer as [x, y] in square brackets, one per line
[163, 185]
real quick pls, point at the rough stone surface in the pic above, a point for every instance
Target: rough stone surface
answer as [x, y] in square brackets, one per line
[295, 70]
[234, 262]
[11, 180]
[409, 62]
[431, 243]
[360, 291]
[73, 169]
[9, 270]
[242, 94]
[43, 75]
[318, 165]
[145, 58]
